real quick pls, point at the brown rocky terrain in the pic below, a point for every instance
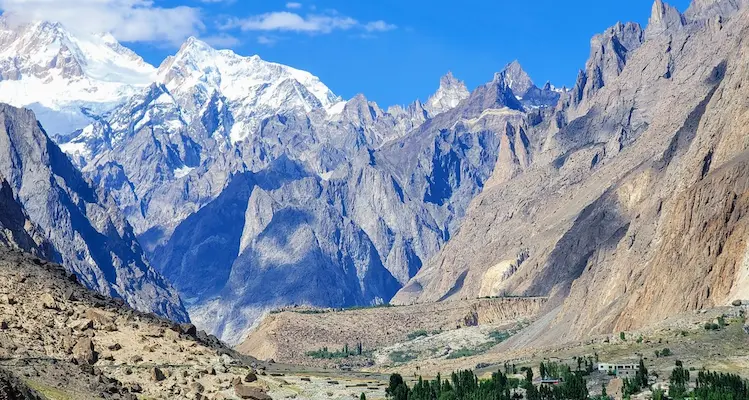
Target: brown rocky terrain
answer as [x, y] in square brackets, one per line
[64, 342]
[289, 335]
[634, 206]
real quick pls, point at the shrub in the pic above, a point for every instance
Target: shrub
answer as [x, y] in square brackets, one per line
[417, 334]
[710, 326]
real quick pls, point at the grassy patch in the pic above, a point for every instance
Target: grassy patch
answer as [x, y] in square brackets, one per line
[499, 336]
[496, 337]
[402, 356]
[345, 352]
[48, 392]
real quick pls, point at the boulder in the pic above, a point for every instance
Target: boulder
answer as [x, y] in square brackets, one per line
[197, 387]
[84, 353]
[157, 375]
[115, 347]
[188, 329]
[82, 324]
[220, 368]
[69, 295]
[737, 303]
[135, 388]
[99, 318]
[246, 392]
[250, 377]
[48, 302]
[3, 325]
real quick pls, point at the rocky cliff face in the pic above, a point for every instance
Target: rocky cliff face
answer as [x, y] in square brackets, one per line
[631, 209]
[16, 229]
[84, 226]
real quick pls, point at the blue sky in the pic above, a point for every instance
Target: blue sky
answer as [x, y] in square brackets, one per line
[393, 51]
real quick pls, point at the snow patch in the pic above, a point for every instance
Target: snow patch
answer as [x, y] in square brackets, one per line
[180, 173]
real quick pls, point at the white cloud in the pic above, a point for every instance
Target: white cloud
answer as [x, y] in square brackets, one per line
[379, 26]
[292, 22]
[127, 20]
[286, 21]
[293, 5]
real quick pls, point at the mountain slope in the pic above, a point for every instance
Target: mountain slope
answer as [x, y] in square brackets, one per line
[83, 225]
[632, 209]
[68, 342]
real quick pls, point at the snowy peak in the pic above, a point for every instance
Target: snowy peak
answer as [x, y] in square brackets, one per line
[450, 93]
[43, 49]
[44, 67]
[255, 89]
[198, 64]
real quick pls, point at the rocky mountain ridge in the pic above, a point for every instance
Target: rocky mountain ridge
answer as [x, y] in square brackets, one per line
[631, 208]
[53, 211]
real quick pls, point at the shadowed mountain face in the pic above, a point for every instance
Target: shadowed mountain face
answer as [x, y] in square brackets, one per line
[632, 207]
[50, 209]
[352, 236]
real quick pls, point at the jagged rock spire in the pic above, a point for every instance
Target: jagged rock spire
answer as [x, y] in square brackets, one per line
[517, 79]
[450, 93]
[663, 18]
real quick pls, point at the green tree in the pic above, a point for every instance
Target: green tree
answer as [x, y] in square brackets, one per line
[397, 389]
[363, 397]
[642, 375]
[622, 336]
[529, 375]
[678, 382]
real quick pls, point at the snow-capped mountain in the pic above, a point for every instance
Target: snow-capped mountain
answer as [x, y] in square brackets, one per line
[63, 77]
[255, 88]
